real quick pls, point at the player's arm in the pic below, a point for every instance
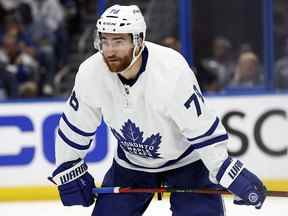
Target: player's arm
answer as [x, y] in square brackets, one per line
[74, 137]
[206, 133]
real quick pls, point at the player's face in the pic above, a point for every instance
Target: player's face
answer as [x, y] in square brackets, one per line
[117, 50]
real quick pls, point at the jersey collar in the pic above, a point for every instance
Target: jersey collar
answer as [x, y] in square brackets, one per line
[131, 82]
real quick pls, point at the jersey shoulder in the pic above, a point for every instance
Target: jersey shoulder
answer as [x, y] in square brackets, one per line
[168, 68]
[90, 74]
[92, 67]
[166, 56]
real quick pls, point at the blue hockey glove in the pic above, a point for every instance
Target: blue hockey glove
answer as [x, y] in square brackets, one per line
[74, 183]
[247, 187]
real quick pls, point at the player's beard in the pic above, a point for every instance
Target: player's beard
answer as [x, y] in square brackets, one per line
[116, 64]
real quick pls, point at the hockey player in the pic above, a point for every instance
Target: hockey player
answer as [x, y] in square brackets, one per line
[150, 99]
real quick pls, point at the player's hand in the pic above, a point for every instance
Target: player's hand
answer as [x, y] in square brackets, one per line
[247, 187]
[74, 183]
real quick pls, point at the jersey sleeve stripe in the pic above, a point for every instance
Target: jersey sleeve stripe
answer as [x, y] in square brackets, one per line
[207, 133]
[195, 146]
[218, 139]
[75, 129]
[73, 144]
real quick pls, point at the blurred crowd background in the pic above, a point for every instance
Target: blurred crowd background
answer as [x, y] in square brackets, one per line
[42, 43]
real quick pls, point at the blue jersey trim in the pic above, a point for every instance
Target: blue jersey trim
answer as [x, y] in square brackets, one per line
[223, 168]
[73, 144]
[211, 141]
[75, 129]
[121, 153]
[208, 133]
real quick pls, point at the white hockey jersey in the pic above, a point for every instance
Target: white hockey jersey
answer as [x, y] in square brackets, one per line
[161, 122]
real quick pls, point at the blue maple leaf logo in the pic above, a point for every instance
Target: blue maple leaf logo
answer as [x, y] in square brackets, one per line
[131, 141]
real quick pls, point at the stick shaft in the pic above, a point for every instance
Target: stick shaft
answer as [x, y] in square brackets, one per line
[110, 190]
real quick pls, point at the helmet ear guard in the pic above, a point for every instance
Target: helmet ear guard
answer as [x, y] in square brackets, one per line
[138, 39]
[96, 42]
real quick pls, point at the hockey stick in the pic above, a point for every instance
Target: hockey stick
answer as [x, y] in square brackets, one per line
[111, 190]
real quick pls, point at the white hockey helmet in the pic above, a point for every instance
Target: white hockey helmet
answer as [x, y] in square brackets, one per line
[121, 19]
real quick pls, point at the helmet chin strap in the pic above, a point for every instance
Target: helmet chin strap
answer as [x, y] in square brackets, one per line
[134, 59]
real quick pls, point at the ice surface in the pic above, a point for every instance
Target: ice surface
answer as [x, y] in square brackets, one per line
[272, 207]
